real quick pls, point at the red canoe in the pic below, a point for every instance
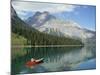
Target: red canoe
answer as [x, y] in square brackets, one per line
[34, 63]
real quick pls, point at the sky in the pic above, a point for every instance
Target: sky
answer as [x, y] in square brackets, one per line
[84, 15]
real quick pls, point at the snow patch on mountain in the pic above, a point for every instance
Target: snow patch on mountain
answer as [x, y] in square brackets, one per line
[47, 23]
[68, 28]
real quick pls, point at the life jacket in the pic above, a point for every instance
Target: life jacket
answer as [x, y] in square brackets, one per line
[30, 63]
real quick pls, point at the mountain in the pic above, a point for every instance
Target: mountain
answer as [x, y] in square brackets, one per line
[13, 13]
[39, 19]
[68, 29]
[17, 24]
[47, 23]
[35, 37]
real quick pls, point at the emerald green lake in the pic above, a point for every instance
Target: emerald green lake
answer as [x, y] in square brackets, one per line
[55, 59]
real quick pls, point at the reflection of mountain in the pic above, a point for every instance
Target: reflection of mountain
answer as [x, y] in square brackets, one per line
[69, 56]
[35, 37]
[45, 22]
[60, 58]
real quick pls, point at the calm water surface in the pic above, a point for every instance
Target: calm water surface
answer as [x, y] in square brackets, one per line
[55, 59]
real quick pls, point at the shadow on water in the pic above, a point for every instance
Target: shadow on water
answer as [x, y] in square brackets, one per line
[55, 58]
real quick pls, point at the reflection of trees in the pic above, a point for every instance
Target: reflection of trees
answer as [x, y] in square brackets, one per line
[49, 53]
[17, 52]
[56, 56]
[78, 56]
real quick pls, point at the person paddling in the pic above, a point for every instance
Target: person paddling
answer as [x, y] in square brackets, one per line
[33, 62]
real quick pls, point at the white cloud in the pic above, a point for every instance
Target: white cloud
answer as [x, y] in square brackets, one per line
[22, 14]
[50, 7]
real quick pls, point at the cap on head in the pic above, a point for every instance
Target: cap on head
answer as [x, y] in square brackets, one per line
[32, 59]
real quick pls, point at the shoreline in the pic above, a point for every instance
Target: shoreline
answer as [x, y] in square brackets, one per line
[47, 46]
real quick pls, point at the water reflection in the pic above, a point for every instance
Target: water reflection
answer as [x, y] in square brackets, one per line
[55, 58]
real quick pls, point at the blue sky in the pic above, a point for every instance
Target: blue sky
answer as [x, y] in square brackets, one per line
[84, 15]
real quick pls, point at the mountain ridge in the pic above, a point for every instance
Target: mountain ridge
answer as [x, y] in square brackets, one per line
[39, 18]
[67, 28]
